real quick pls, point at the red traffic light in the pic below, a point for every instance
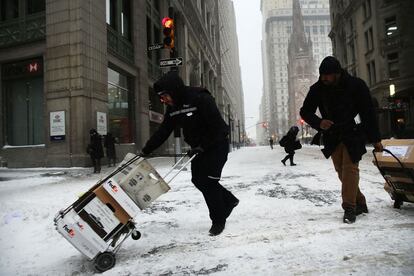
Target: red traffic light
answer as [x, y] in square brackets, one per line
[302, 121]
[168, 31]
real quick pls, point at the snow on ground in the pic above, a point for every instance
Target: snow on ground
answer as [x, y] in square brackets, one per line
[288, 222]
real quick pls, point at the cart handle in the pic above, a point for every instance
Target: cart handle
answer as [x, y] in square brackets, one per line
[176, 164]
[396, 158]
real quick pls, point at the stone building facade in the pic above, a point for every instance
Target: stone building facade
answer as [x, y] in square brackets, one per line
[374, 41]
[69, 66]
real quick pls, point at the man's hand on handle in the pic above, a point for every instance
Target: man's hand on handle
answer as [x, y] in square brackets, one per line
[325, 124]
[194, 151]
[378, 147]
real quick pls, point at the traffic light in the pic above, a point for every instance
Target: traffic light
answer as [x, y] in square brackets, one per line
[302, 122]
[168, 31]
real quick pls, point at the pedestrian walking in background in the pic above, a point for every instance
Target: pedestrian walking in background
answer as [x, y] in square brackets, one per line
[290, 143]
[95, 150]
[195, 110]
[109, 143]
[271, 142]
[346, 124]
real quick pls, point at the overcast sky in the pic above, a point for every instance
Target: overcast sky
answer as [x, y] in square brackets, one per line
[249, 32]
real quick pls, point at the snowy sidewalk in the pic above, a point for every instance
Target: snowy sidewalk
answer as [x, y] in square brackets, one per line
[288, 222]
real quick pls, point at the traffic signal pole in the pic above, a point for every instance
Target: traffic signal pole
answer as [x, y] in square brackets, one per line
[170, 39]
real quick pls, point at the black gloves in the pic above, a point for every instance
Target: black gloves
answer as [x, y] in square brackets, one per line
[143, 154]
[194, 151]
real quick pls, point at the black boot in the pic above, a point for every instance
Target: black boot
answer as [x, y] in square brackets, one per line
[217, 228]
[349, 215]
[361, 209]
[231, 206]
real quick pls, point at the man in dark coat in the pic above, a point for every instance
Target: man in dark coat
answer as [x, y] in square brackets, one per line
[109, 143]
[95, 150]
[348, 122]
[290, 143]
[204, 129]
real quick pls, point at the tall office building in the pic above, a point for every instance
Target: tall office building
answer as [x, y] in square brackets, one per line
[231, 89]
[277, 30]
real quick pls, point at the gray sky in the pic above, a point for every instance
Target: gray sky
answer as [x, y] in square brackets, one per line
[249, 32]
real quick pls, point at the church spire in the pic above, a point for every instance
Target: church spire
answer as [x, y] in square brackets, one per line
[298, 38]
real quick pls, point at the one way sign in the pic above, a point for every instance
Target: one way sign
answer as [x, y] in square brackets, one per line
[171, 62]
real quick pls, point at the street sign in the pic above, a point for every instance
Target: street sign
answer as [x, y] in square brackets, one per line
[171, 62]
[155, 46]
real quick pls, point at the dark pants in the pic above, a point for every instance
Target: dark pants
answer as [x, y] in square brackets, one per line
[289, 156]
[96, 162]
[206, 172]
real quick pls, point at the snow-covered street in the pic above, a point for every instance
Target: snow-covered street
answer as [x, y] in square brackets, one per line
[288, 222]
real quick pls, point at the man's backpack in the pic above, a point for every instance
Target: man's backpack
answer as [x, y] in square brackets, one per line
[283, 141]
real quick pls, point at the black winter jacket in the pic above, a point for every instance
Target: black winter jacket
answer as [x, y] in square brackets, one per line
[341, 104]
[196, 112]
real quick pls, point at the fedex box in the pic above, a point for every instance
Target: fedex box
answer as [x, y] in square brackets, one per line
[141, 181]
[80, 234]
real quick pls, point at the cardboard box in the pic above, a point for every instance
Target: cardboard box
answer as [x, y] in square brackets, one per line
[100, 218]
[80, 235]
[117, 193]
[401, 148]
[143, 184]
[141, 181]
[116, 208]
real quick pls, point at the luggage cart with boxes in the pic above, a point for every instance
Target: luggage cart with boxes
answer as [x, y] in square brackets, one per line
[103, 217]
[396, 165]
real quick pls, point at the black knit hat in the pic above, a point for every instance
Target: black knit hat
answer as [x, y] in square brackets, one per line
[329, 65]
[170, 82]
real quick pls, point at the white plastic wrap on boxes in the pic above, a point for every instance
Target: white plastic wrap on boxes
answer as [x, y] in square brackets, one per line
[141, 181]
[80, 235]
[114, 189]
[102, 214]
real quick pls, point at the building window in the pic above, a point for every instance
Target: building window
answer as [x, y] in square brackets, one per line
[367, 9]
[9, 9]
[118, 16]
[120, 106]
[369, 40]
[111, 13]
[393, 66]
[126, 19]
[23, 102]
[391, 27]
[35, 6]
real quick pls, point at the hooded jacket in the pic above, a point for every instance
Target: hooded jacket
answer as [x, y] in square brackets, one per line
[341, 104]
[194, 110]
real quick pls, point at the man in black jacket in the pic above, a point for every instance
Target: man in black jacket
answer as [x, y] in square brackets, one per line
[348, 122]
[195, 110]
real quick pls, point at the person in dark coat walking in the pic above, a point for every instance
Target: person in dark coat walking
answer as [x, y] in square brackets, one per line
[95, 150]
[346, 124]
[109, 143]
[271, 142]
[204, 129]
[290, 143]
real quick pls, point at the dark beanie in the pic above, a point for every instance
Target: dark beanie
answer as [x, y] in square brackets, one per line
[329, 65]
[170, 82]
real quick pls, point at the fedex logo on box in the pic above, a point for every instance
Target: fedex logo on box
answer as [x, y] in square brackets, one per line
[113, 186]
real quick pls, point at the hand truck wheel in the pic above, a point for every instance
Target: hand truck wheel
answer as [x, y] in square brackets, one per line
[398, 203]
[135, 235]
[104, 261]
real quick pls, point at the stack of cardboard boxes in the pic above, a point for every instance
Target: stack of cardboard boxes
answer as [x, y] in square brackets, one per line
[399, 174]
[99, 215]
